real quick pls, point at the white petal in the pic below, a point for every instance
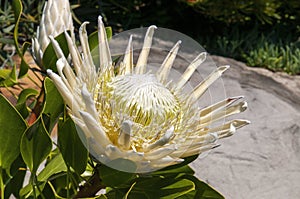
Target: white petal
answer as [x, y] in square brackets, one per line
[214, 116]
[125, 134]
[199, 150]
[143, 57]
[64, 91]
[163, 72]
[128, 58]
[159, 153]
[202, 87]
[219, 105]
[76, 58]
[89, 102]
[165, 161]
[190, 70]
[95, 129]
[104, 52]
[60, 55]
[90, 67]
[162, 141]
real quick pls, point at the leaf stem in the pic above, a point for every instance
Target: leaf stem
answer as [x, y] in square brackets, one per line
[2, 186]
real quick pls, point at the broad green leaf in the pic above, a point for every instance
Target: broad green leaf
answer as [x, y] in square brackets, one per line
[21, 103]
[12, 127]
[177, 189]
[153, 187]
[17, 8]
[35, 144]
[112, 177]
[54, 166]
[202, 190]
[49, 57]
[73, 151]
[54, 104]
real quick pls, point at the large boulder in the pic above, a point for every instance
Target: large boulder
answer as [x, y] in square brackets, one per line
[262, 160]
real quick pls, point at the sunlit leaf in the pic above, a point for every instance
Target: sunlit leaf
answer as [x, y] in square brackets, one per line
[8, 77]
[54, 166]
[17, 8]
[35, 144]
[21, 103]
[12, 127]
[202, 190]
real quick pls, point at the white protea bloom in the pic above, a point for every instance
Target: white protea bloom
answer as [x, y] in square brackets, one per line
[128, 113]
[56, 18]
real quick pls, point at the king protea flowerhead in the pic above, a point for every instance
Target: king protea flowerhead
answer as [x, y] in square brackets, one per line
[126, 112]
[56, 18]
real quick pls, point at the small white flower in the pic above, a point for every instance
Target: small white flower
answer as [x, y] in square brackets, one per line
[137, 115]
[56, 18]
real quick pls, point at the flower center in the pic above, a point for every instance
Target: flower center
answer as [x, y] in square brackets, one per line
[143, 98]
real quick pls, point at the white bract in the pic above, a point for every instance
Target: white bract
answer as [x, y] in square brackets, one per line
[126, 113]
[56, 18]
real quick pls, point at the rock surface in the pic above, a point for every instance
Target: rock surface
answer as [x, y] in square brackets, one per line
[262, 160]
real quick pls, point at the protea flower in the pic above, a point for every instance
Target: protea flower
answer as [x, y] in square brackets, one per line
[126, 112]
[56, 18]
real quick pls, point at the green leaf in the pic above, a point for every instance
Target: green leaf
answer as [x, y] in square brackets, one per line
[73, 151]
[18, 172]
[21, 103]
[54, 104]
[112, 177]
[153, 187]
[23, 66]
[35, 144]
[49, 57]
[18, 8]
[8, 77]
[12, 128]
[54, 166]
[202, 191]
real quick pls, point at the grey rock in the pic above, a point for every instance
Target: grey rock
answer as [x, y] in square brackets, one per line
[262, 160]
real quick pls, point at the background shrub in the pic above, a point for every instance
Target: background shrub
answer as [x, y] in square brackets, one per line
[262, 33]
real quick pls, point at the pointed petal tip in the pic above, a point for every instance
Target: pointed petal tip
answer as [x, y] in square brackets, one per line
[244, 106]
[246, 122]
[153, 27]
[224, 68]
[83, 26]
[49, 72]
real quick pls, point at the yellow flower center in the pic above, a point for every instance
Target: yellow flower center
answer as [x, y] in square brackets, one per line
[138, 102]
[143, 98]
